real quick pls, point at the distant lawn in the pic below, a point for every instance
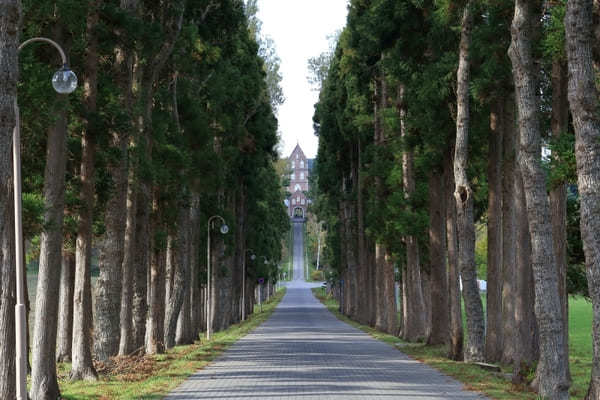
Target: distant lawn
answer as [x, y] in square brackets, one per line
[490, 383]
[153, 377]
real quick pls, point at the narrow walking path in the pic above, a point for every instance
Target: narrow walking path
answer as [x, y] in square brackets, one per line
[304, 352]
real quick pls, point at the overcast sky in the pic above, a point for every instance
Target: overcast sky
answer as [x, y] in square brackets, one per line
[299, 30]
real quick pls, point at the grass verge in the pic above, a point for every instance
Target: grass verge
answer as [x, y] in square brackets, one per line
[152, 377]
[474, 378]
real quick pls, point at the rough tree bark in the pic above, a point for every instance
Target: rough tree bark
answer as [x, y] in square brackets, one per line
[10, 18]
[584, 104]
[508, 233]
[456, 326]
[464, 200]
[440, 308]
[493, 339]
[64, 339]
[44, 383]
[109, 283]
[552, 367]
[413, 326]
[82, 366]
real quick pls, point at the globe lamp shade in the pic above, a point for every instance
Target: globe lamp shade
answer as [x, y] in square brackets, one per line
[64, 81]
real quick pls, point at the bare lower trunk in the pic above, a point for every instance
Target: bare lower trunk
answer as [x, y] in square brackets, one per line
[584, 101]
[493, 340]
[180, 272]
[126, 343]
[44, 383]
[508, 235]
[440, 309]
[82, 366]
[552, 367]
[155, 326]
[364, 303]
[196, 299]
[65, 308]
[525, 337]
[413, 326]
[142, 261]
[109, 283]
[456, 325]
[10, 13]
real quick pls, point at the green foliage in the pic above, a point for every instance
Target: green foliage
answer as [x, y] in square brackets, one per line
[562, 166]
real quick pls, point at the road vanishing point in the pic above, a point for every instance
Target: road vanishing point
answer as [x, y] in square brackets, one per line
[303, 352]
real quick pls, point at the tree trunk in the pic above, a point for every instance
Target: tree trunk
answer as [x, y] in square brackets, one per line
[127, 337]
[196, 299]
[109, 283]
[180, 272]
[364, 303]
[142, 260]
[584, 101]
[44, 383]
[82, 366]
[464, 201]
[10, 18]
[414, 304]
[525, 335]
[558, 194]
[65, 308]
[509, 235]
[155, 326]
[552, 367]
[440, 310]
[493, 339]
[456, 325]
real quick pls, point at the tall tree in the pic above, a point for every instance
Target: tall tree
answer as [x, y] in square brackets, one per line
[552, 367]
[44, 384]
[464, 199]
[584, 104]
[10, 15]
[83, 367]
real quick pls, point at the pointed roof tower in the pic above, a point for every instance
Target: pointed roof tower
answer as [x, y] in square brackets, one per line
[298, 150]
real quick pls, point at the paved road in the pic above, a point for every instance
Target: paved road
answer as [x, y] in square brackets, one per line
[303, 352]
[299, 272]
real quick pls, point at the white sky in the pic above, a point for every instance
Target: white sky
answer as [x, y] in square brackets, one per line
[299, 30]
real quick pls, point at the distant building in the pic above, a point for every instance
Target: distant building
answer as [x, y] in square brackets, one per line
[299, 166]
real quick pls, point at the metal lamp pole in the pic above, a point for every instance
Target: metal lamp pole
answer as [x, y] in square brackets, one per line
[244, 282]
[224, 230]
[64, 81]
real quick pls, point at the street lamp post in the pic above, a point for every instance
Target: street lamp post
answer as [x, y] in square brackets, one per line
[64, 81]
[252, 257]
[224, 229]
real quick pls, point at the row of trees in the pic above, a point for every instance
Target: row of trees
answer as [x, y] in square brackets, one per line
[432, 116]
[173, 123]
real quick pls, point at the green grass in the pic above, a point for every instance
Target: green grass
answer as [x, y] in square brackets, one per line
[495, 385]
[162, 372]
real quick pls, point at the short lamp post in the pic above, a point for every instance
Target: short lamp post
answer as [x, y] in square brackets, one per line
[252, 257]
[64, 81]
[224, 229]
